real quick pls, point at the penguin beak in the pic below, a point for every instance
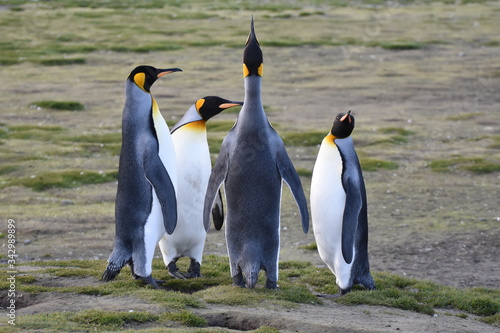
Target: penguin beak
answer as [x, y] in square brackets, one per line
[346, 116]
[230, 105]
[162, 72]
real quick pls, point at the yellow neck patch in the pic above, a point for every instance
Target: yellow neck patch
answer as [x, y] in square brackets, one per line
[199, 125]
[260, 70]
[156, 109]
[330, 139]
[140, 79]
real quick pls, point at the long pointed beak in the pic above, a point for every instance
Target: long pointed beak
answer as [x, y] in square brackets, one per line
[230, 105]
[162, 72]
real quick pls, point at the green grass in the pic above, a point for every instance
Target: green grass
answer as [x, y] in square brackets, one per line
[397, 46]
[312, 138]
[476, 165]
[298, 283]
[87, 320]
[399, 135]
[63, 179]
[111, 320]
[59, 105]
[496, 142]
[304, 172]
[374, 164]
[423, 296]
[62, 62]
[33, 132]
[6, 169]
[462, 116]
[187, 318]
[109, 138]
[221, 125]
[310, 247]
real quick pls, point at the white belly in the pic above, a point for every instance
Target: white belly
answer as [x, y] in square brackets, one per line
[193, 171]
[153, 231]
[166, 149]
[327, 209]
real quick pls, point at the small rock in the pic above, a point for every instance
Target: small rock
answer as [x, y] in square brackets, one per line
[67, 202]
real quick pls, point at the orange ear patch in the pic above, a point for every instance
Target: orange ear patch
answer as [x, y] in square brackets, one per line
[199, 103]
[140, 80]
[246, 72]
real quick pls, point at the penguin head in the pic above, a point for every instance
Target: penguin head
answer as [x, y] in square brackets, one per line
[145, 76]
[210, 106]
[204, 109]
[253, 63]
[343, 125]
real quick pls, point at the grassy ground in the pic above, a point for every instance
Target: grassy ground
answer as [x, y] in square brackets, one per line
[184, 302]
[421, 78]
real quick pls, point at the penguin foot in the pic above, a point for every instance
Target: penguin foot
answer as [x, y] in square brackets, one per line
[194, 270]
[238, 281]
[149, 280]
[174, 272]
[272, 284]
[342, 292]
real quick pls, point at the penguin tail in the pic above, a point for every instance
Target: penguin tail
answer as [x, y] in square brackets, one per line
[112, 270]
[251, 278]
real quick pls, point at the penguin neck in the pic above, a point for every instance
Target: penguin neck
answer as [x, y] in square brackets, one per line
[253, 109]
[138, 108]
[198, 127]
[330, 140]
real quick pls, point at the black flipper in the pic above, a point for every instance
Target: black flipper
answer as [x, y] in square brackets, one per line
[217, 176]
[159, 178]
[352, 209]
[290, 176]
[218, 211]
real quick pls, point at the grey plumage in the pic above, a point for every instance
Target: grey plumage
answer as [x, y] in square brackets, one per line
[142, 177]
[252, 164]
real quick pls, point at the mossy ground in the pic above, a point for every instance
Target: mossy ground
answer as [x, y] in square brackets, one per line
[182, 300]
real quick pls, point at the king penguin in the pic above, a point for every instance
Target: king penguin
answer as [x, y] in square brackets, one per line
[252, 164]
[193, 170]
[146, 205]
[339, 208]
